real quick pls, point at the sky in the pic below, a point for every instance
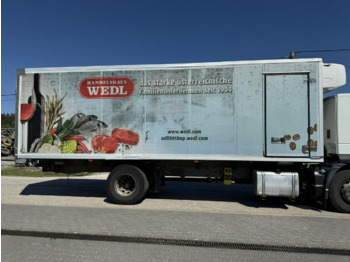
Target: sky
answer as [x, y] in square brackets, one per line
[51, 33]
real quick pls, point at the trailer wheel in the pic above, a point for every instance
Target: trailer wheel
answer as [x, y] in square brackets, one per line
[340, 191]
[126, 185]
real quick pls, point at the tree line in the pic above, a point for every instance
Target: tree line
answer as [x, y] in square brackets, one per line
[7, 120]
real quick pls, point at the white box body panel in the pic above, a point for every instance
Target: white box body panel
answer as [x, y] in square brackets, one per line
[337, 124]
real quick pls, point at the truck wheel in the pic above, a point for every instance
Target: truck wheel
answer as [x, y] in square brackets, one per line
[340, 191]
[126, 185]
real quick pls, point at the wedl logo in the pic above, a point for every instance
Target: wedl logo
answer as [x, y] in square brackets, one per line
[106, 87]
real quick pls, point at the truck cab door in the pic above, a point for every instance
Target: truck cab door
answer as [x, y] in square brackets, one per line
[286, 114]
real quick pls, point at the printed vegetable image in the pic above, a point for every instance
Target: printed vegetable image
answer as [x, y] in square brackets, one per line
[65, 129]
[70, 136]
[125, 136]
[77, 138]
[64, 137]
[53, 111]
[48, 139]
[104, 144]
[49, 149]
[69, 146]
[82, 147]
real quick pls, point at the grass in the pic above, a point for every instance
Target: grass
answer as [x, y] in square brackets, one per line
[36, 172]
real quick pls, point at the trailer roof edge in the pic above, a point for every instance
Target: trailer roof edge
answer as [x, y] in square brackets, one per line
[162, 66]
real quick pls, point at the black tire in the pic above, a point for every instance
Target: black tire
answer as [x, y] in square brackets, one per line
[126, 185]
[339, 191]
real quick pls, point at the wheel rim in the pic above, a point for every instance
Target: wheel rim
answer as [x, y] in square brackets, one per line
[125, 185]
[345, 192]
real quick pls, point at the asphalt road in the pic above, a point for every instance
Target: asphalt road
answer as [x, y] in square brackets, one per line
[70, 219]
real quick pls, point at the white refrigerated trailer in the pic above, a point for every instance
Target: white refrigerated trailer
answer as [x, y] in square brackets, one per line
[258, 122]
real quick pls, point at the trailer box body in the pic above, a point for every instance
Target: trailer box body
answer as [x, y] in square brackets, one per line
[246, 111]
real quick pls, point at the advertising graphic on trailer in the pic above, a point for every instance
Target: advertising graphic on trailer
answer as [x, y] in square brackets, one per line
[168, 113]
[124, 112]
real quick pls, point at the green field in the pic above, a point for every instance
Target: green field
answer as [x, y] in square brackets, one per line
[36, 172]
